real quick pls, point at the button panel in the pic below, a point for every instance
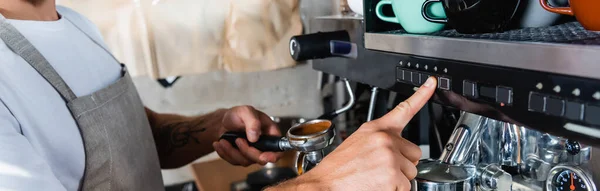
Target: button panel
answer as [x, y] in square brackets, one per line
[546, 103]
[528, 98]
[418, 78]
[558, 107]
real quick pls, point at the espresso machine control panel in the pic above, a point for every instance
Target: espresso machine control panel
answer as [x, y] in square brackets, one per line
[557, 104]
[537, 133]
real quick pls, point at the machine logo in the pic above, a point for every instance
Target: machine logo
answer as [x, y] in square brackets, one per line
[293, 46]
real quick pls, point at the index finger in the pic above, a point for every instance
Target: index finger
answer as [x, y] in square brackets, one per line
[404, 112]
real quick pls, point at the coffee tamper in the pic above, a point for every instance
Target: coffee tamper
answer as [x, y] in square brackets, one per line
[308, 138]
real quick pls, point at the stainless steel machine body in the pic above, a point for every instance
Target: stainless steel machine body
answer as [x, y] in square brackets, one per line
[487, 154]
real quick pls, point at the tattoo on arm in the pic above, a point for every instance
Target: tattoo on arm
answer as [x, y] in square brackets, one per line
[179, 134]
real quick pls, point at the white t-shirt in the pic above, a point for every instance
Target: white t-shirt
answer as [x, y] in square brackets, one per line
[40, 145]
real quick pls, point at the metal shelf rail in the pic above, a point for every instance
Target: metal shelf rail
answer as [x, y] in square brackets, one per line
[565, 49]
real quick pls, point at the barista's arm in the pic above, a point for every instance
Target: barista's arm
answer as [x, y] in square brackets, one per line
[181, 139]
[304, 182]
[375, 157]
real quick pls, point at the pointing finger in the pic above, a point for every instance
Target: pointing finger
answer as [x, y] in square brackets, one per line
[401, 115]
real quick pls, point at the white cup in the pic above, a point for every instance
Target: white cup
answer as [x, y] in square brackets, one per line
[356, 6]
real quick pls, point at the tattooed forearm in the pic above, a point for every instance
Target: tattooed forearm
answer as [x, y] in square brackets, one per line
[182, 135]
[181, 140]
[178, 135]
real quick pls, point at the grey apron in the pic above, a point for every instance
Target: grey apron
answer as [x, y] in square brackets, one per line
[120, 153]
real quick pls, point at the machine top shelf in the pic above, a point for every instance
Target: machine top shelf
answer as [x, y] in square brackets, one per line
[565, 49]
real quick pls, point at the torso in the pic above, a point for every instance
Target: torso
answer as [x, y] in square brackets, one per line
[41, 113]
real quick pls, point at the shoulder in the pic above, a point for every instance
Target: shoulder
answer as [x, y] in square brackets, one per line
[80, 21]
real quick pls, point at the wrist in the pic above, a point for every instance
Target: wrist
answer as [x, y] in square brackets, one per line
[211, 124]
[302, 182]
[220, 114]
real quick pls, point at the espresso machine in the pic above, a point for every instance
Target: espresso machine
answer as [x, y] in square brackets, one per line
[528, 104]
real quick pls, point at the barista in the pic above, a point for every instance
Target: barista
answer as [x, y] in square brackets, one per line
[70, 119]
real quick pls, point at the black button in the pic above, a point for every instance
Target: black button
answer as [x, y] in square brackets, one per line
[537, 102]
[504, 95]
[416, 78]
[444, 83]
[572, 147]
[574, 110]
[399, 74]
[424, 78]
[488, 92]
[555, 106]
[406, 76]
[470, 89]
[592, 114]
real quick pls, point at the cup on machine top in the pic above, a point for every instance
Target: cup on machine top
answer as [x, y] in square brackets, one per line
[587, 12]
[531, 14]
[474, 16]
[407, 13]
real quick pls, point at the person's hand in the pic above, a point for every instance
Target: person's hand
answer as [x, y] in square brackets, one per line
[375, 157]
[254, 123]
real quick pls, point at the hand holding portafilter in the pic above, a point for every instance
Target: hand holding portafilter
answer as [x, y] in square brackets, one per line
[310, 138]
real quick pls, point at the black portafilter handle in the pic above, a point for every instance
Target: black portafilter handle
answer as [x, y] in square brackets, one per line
[328, 116]
[316, 45]
[265, 143]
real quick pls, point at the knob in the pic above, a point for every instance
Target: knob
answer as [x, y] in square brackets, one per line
[535, 169]
[492, 177]
[317, 45]
[573, 147]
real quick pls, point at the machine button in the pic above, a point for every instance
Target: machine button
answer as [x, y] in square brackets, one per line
[424, 78]
[537, 102]
[487, 92]
[407, 76]
[572, 147]
[444, 83]
[555, 106]
[592, 113]
[574, 110]
[416, 78]
[504, 95]
[399, 74]
[470, 89]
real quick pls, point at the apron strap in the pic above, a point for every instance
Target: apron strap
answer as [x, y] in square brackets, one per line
[22, 47]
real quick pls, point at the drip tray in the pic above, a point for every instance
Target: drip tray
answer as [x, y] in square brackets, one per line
[568, 33]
